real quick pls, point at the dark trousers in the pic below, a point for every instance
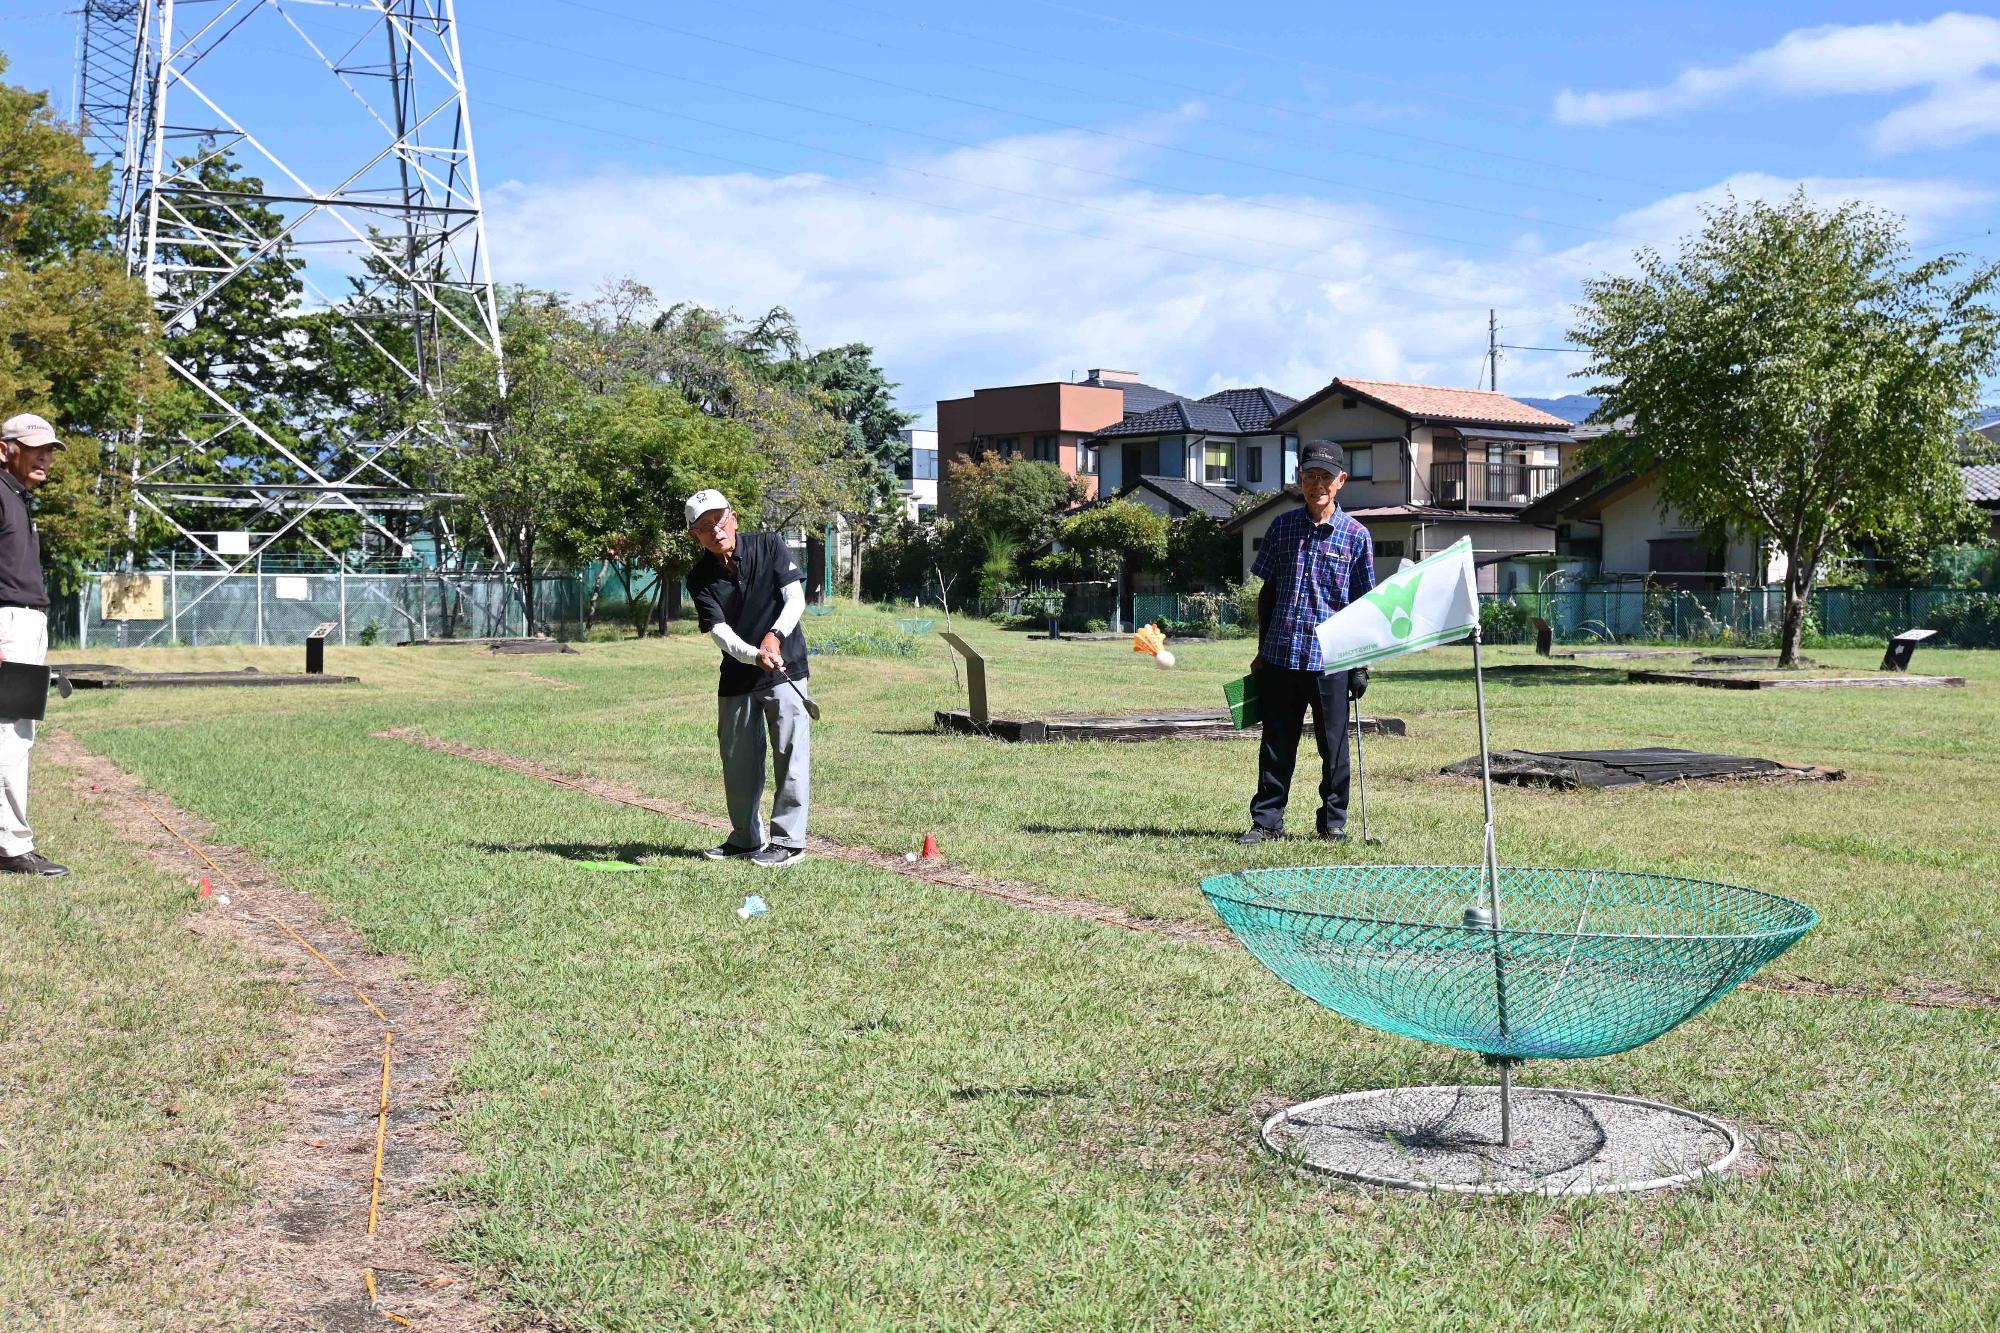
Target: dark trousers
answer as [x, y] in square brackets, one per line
[1287, 695]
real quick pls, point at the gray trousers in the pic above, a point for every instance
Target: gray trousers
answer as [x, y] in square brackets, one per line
[743, 722]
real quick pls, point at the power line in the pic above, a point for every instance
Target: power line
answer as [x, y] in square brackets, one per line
[1085, 129]
[870, 192]
[969, 146]
[1483, 102]
[1260, 131]
[1366, 127]
[1067, 203]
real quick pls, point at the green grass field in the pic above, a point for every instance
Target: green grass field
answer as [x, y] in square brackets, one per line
[892, 1104]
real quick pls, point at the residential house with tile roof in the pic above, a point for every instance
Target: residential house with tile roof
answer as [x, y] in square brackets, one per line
[1046, 422]
[1982, 487]
[1429, 465]
[1199, 455]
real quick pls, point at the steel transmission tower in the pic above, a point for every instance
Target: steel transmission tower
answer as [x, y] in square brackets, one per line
[354, 115]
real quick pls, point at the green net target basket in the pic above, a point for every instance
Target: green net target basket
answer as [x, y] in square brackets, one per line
[1584, 962]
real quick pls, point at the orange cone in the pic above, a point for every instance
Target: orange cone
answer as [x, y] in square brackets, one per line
[207, 889]
[930, 847]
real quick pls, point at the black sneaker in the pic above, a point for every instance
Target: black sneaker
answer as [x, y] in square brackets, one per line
[1258, 833]
[1333, 835]
[31, 863]
[775, 857]
[729, 851]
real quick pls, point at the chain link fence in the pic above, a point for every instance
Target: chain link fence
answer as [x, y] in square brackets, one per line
[1963, 618]
[176, 607]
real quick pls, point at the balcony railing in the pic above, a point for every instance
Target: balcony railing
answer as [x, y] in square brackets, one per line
[1480, 483]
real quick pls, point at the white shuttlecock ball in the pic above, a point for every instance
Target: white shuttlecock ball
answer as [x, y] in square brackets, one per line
[909, 856]
[222, 899]
[1163, 659]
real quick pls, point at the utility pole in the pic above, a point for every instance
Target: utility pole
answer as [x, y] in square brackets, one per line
[1493, 350]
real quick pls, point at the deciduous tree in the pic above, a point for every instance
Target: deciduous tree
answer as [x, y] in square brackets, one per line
[1793, 377]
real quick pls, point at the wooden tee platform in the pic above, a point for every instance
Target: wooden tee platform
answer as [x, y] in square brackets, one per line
[1189, 724]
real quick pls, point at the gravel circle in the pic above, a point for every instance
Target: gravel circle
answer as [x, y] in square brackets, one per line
[1448, 1139]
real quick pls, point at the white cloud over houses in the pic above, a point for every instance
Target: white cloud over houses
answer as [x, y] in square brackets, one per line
[960, 284]
[1953, 61]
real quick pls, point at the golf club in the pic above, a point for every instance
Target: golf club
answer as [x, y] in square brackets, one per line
[812, 709]
[1361, 776]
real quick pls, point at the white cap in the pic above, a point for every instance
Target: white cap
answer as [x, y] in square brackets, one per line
[29, 429]
[702, 502]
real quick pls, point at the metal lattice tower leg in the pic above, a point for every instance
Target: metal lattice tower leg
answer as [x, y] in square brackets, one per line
[372, 172]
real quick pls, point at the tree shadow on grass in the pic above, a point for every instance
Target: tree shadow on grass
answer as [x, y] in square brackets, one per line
[632, 852]
[1511, 674]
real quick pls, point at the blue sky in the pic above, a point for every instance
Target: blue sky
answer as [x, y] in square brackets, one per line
[1209, 195]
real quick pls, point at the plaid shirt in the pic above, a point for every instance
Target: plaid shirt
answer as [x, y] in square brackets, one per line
[1317, 569]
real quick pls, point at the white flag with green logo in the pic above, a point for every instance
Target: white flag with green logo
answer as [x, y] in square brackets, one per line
[1419, 606]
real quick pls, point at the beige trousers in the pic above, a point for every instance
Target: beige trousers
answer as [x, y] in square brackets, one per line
[24, 637]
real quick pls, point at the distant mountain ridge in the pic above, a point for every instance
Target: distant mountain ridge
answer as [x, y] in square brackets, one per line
[1570, 407]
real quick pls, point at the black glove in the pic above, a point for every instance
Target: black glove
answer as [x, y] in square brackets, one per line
[1357, 682]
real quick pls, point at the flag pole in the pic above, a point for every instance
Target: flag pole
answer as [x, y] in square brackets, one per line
[1491, 872]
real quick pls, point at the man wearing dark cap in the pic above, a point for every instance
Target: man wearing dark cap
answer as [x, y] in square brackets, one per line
[749, 594]
[29, 442]
[1315, 560]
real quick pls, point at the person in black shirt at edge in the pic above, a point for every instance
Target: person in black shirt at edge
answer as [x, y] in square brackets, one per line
[29, 442]
[749, 594]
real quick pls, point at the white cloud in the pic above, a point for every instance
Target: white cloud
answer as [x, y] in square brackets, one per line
[960, 287]
[1947, 56]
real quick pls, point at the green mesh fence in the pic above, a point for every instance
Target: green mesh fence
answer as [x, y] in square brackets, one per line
[1590, 962]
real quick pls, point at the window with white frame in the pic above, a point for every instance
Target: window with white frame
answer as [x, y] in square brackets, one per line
[1086, 460]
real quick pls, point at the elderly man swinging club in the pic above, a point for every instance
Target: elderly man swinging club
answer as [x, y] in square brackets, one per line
[29, 442]
[749, 596]
[1314, 561]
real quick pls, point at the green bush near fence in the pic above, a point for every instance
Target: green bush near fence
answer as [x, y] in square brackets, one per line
[1971, 620]
[862, 643]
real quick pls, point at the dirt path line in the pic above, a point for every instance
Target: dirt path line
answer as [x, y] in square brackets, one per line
[305, 1241]
[1010, 891]
[1917, 994]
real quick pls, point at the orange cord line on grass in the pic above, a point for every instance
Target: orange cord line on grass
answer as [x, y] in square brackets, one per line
[280, 921]
[381, 1132]
[388, 1044]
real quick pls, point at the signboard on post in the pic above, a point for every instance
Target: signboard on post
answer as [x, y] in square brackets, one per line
[232, 543]
[133, 596]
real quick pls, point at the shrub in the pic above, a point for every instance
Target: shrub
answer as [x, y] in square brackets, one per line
[862, 643]
[1503, 622]
[371, 633]
[1096, 625]
[1969, 621]
[1243, 600]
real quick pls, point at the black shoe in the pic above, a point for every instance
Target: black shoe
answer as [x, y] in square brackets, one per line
[728, 851]
[31, 863]
[1258, 833]
[1333, 835]
[775, 857]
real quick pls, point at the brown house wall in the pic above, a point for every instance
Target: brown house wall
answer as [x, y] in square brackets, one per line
[1067, 411]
